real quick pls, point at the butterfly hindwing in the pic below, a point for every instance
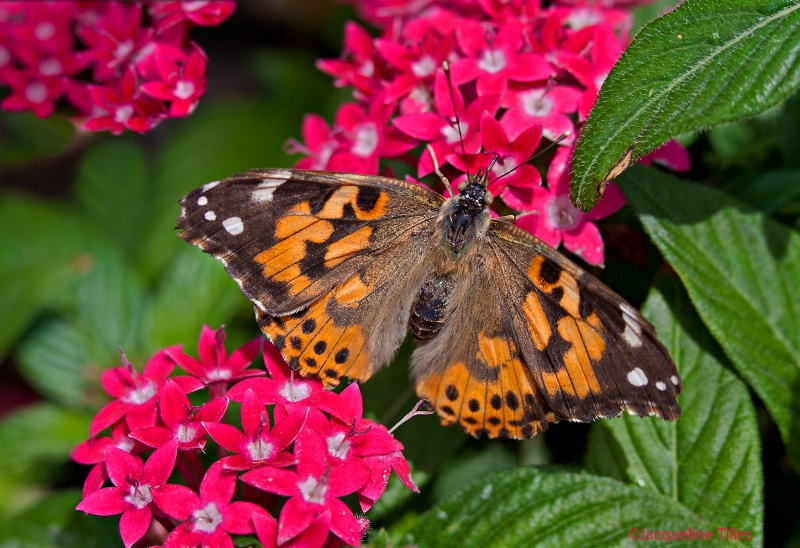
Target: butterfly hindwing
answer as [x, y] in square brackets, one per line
[315, 252]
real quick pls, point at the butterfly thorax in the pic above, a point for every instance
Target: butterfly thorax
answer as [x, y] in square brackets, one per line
[460, 221]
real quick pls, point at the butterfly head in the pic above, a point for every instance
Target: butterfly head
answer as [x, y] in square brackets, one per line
[473, 200]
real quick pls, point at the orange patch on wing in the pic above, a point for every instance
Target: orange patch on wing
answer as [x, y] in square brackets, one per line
[315, 344]
[538, 325]
[281, 260]
[334, 206]
[352, 291]
[577, 378]
[570, 298]
[500, 403]
[347, 246]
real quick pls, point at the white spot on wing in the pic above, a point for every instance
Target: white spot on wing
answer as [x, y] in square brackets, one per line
[661, 386]
[210, 216]
[637, 377]
[266, 189]
[202, 200]
[674, 380]
[633, 331]
[209, 186]
[233, 225]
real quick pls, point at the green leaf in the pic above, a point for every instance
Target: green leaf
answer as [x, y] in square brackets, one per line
[530, 507]
[41, 435]
[24, 136]
[194, 290]
[741, 269]
[770, 190]
[109, 310]
[49, 247]
[54, 522]
[112, 185]
[706, 63]
[710, 459]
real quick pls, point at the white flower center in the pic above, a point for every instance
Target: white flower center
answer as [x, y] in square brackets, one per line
[5, 56]
[504, 165]
[183, 89]
[44, 31]
[126, 444]
[207, 519]
[121, 115]
[424, 67]
[146, 391]
[185, 433]
[194, 6]
[139, 496]
[123, 50]
[537, 103]
[562, 214]
[219, 374]
[366, 140]
[580, 18]
[259, 450]
[338, 446]
[49, 67]
[36, 92]
[492, 61]
[295, 391]
[367, 68]
[313, 490]
[450, 132]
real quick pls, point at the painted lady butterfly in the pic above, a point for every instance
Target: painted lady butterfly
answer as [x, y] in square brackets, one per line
[510, 334]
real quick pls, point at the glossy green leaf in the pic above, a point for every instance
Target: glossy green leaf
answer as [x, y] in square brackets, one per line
[24, 136]
[708, 62]
[770, 190]
[710, 459]
[194, 290]
[49, 247]
[741, 269]
[530, 507]
[112, 185]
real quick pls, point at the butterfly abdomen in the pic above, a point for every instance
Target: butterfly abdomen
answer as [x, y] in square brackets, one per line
[428, 309]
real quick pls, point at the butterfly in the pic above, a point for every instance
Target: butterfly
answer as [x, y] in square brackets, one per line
[510, 334]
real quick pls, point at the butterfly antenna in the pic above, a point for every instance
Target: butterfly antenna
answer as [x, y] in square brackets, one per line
[532, 158]
[446, 67]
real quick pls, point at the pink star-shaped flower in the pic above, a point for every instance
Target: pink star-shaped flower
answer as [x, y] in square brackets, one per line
[313, 489]
[514, 187]
[359, 63]
[439, 128]
[257, 445]
[200, 12]
[366, 137]
[559, 220]
[93, 451]
[210, 518]
[121, 105]
[137, 394]
[364, 441]
[495, 56]
[115, 40]
[216, 368]
[182, 78]
[287, 390]
[182, 422]
[134, 491]
[320, 142]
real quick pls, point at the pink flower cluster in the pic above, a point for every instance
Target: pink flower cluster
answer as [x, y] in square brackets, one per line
[296, 444]
[118, 65]
[521, 74]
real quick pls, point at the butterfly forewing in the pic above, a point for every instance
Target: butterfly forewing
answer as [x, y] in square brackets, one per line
[315, 252]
